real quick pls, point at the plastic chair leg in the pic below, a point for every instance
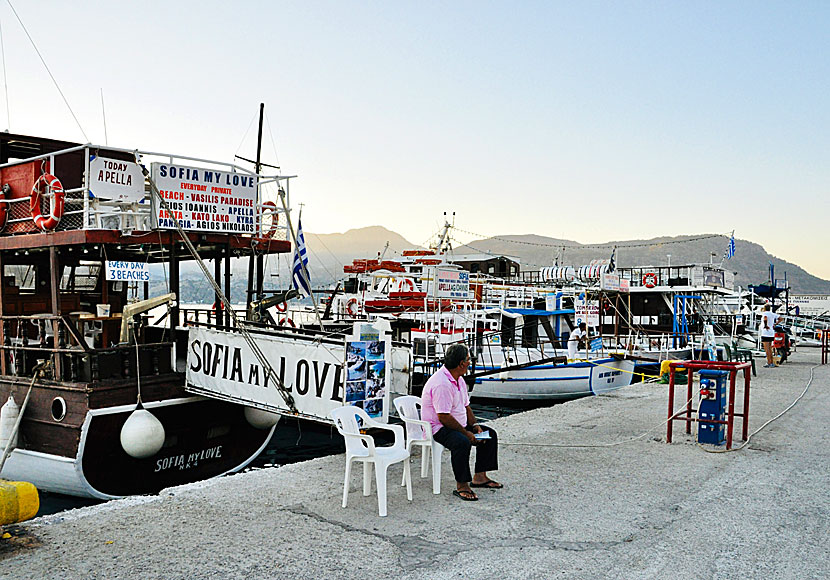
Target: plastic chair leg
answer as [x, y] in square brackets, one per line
[409, 447]
[424, 459]
[367, 478]
[380, 479]
[437, 452]
[407, 475]
[346, 482]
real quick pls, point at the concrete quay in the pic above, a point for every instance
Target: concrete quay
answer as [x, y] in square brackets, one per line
[640, 509]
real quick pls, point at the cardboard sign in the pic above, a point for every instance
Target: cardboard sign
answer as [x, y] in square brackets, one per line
[116, 180]
[203, 200]
[127, 271]
[452, 284]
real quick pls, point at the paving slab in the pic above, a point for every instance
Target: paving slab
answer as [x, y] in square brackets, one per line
[592, 490]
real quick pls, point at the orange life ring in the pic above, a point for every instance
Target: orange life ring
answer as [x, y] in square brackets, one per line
[4, 210]
[406, 285]
[51, 222]
[650, 280]
[282, 306]
[351, 307]
[275, 218]
[285, 320]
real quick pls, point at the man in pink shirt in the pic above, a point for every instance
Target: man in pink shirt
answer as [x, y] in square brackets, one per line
[445, 403]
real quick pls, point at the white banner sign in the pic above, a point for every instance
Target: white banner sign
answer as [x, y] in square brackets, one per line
[586, 312]
[116, 180]
[221, 365]
[204, 200]
[127, 271]
[452, 284]
[614, 283]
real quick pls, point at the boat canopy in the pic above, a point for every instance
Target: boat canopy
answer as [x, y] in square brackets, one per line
[536, 312]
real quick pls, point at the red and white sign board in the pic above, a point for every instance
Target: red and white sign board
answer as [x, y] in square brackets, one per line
[204, 200]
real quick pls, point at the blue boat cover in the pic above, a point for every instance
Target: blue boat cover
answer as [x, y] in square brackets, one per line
[534, 312]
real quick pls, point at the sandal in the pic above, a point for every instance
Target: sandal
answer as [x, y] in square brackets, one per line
[489, 484]
[465, 494]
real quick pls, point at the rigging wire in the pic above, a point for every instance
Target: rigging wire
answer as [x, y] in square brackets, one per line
[248, 130]
[273, 143]
[57, 86]
[5, 80]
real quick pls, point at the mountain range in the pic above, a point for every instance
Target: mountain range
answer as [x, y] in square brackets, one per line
[328, 253]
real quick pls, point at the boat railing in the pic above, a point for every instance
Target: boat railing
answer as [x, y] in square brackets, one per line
[85, 210]
[84, 351]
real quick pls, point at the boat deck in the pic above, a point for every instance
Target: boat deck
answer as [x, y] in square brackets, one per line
[643, 509]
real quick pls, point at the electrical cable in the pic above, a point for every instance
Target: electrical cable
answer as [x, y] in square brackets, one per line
[778, 416]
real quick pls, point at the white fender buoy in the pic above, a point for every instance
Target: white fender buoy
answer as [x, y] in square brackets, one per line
[142, 434]
[8, 417]
[261, 419]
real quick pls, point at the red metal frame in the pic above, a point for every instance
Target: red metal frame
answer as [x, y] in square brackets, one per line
[686, 414]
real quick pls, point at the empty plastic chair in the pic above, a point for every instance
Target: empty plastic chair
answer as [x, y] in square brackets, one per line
[360, 447]
[419, 432]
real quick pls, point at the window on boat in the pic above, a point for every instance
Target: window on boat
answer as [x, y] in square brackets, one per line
[530, 332]
[23, 277]
[82, 277]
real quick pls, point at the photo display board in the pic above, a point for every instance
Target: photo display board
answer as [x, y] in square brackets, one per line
[204, 200]
[368, 356]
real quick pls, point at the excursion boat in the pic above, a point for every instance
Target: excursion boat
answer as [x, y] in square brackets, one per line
[433, 299]
[82, 239]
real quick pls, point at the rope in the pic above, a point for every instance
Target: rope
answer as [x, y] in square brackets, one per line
[269, 371]
[39, 370]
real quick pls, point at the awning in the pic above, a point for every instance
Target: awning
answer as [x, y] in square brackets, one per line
[534, 312]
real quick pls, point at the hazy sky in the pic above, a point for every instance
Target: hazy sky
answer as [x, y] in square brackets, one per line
[592, 121]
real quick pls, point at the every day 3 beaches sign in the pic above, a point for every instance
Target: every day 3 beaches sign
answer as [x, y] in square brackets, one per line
[204, 200]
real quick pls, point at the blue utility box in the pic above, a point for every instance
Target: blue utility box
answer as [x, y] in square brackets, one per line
[712, 407]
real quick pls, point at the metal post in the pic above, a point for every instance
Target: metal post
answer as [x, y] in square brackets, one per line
[730, 418]
[217, 274]
[690, 372]
[227, 283]
[55, 278]
[670, 423]
[745, 426]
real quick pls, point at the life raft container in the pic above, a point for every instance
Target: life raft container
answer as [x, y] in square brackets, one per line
[51, 222]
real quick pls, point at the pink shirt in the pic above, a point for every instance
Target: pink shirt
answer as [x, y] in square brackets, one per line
[443, 394]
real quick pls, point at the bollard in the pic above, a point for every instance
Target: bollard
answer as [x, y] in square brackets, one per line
[19, 501]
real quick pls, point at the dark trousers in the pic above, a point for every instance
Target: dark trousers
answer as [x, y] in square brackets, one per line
[459, 446]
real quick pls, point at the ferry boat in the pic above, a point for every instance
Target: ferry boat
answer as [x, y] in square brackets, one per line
[81, 237]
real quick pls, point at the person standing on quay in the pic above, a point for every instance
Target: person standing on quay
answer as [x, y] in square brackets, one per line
[768, 321]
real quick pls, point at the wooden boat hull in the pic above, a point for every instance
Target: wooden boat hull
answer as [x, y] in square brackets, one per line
[204, 438]
[552, 382]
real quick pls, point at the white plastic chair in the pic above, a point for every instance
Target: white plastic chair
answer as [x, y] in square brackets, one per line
[360, 447]
[419, 432]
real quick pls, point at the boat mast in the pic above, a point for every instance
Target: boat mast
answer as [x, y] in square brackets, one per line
[259, 259]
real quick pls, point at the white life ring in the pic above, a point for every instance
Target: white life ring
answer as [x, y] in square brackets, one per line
[351, 307]
[286, 321]
[51, 222]
[650, 280]
[282, 306]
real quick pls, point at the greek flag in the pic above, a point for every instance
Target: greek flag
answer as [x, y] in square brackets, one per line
[300, 278]
[612, 264]
[730, 249]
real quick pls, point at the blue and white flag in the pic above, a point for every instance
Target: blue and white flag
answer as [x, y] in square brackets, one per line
[612, 263]
[300, 278]
[730, 249]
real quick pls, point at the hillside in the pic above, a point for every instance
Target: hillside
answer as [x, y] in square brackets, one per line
[329, 252]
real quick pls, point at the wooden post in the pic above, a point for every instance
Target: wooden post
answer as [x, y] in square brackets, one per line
[55, 279]
[2, 313]
[174, 283]
[227, 283]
